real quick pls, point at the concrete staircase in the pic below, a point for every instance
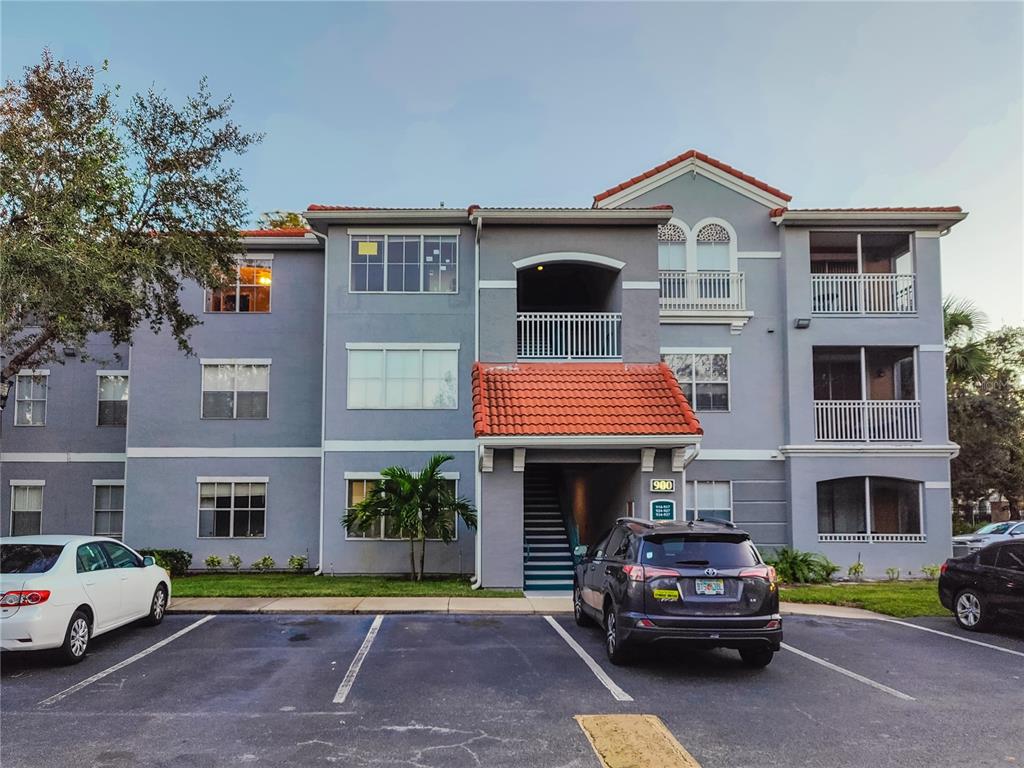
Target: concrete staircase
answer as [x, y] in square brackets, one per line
[547, 559]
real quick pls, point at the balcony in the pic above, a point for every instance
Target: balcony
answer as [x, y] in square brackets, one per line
[863, 294]
[867, 420]
[569, 335]
[685, 292]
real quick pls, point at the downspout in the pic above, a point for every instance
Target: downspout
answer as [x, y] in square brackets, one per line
[323, 409]
[690, 453]
[478, 480]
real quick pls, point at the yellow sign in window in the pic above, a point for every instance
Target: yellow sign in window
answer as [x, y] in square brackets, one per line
[367, 248]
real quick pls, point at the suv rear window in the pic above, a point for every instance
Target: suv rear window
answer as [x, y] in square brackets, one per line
[29, 558]
[693, 550]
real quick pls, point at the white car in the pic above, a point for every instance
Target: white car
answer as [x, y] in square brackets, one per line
[988, 534]
[61, 591]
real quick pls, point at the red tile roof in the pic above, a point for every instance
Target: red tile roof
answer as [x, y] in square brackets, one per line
[279, 232]
[922, 209]
[579, 399]
[693, 154]
[315, 207]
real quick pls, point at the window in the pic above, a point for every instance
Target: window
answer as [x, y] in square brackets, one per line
[671, 247]
[1011, 557]
[616, 544]
[250, 292]
[713, 252]
[232, 508]
[404, 263]
[399, 377]
[879, 508]
[112, 409]
[91, 557]
[386, 528]
[703, 377]
[30, 398]
[236, 389]
[709, 499]
[26, 507]
[108, 510]
[120, 556]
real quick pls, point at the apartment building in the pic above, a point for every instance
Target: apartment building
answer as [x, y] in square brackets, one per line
[690, 345]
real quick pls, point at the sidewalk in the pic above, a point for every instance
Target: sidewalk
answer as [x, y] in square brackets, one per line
[460, 605]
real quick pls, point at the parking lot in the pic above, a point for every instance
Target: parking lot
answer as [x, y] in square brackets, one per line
[422, 690]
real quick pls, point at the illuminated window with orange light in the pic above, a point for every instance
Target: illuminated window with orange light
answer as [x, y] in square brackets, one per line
[250, 292]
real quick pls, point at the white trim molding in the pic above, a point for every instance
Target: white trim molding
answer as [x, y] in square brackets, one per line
[239, 479]
[930, 233]
[34, 372]
[398, 446]
[111, 373]
[235, 361]
[108, 482]
[931, 347]
[28, 482]
[759, 254]
[377, 475]
[696, 350]
[364, 231]
[937, 484]
[944, 451]
[753, 454]
[570, 257]
[375, 345]
[62, 458]
[235, 452]
[652, 285]
[498, 284]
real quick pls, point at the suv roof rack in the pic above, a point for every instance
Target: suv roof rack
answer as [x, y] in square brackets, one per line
[714, 521]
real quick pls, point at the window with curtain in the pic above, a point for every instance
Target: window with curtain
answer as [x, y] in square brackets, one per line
[713, 249]
[236, 390]
[30, 399]
[392, 378]
[108, 510]
[26, 509]
[112, 407]
[250, 291]
[671, 247]
[709, 499]
[891, 505]
[385, 528]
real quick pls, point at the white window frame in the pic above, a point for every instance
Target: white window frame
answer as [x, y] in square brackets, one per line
[399, 347]
[215, 361]
[100, 375]
[692, 489]
[403, 232]
[232, 480]
[869, 536]
[41, 484]
[96, 484]
[694, 351]
[45, 373]
[238, 287]
[356, 477]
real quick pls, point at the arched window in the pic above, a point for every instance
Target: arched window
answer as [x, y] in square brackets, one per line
[869, 505]
[671, 247]
[713, 253]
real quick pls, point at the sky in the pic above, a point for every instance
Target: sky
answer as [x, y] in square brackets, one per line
[415, 104]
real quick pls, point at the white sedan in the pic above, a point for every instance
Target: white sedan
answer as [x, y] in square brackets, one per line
[61, 591]
[988, 534]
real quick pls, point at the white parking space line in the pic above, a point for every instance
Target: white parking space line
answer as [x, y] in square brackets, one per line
[357, 662]
[122, 664]
[599, 673]
[848, 673]
[955, 637]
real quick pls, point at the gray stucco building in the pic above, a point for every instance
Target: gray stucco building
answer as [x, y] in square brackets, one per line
[690, 345]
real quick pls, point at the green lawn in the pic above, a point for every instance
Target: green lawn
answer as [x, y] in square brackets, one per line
[307, 585]
[895, 598]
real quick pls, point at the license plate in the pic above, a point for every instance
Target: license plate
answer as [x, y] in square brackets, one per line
[709, 587]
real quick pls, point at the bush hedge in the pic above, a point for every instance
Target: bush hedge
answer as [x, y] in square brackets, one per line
[175, 561]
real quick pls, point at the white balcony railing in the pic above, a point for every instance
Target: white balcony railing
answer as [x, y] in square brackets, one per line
[702, 291]
[876, 538]
[569, 335]
[867, 420]
[863, 294]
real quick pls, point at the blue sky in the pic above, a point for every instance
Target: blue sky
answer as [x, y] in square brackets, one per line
[413, 104]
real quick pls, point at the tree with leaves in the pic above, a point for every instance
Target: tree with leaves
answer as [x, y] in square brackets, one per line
[419, 506]
[967, 359]
[282, 220]
[106, 210]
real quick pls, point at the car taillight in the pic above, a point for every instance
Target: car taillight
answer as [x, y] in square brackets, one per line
[24, 597]
[944, 567]
[765, 572]
[647, 572]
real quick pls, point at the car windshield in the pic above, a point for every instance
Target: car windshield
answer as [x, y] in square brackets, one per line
[992, 528]
[29, 558]
[697, 551]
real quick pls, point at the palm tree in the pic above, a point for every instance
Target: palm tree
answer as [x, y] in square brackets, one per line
[421, 506]
[967, 359]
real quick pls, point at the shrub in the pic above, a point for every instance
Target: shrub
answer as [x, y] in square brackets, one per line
[213, 562]
[796, 567]
[931, 572]
[892, 574]
[856, 571]
[175, 561]
[265, 563]
[298, 562]
[235, 561]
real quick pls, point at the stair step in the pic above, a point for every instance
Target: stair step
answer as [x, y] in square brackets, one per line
[550, 557]
[544, 578]
[550, 587]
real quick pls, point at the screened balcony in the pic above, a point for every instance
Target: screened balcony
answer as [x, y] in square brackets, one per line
[869, 273]
[866, 394]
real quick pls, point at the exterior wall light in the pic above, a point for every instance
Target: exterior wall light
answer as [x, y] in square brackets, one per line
[802, 323]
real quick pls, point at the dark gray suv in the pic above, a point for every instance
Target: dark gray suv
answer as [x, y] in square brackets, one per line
[702, 583]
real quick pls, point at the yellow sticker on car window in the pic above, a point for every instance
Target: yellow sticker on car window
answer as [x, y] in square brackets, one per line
[666, 594]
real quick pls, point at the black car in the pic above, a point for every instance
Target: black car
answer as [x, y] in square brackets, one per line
[985, 586]
[703, 583]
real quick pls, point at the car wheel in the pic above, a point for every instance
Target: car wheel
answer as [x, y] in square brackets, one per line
[970, 611]
[759, 658]
[157, 608]
[76, 639]
[614, 645]
[577, 607]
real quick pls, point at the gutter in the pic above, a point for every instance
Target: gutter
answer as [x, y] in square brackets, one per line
[323, 410]
[476, 583]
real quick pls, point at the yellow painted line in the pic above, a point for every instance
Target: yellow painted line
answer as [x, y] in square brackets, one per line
[634, 741]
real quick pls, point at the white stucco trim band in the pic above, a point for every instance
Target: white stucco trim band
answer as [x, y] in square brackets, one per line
[570, 257]
[696, 350]
[376, 345]
[498, 284]
[232, 479]
[653, 285]
[111, 373]
[758, 254]
[937, 484]
[452, 231]
[377, 475]
[381, 446]
[931, 347]
[28, 482]
[108, 482]
[61, 458]
[946, 451]
[725, 454]
[236, 452]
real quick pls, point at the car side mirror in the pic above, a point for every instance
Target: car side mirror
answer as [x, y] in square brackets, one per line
[579, 551]
[148, 560]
